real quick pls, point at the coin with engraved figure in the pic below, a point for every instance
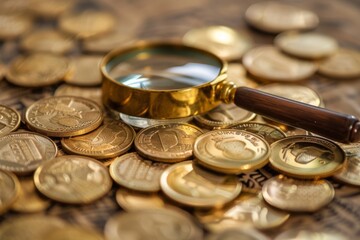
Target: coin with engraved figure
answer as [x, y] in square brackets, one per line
[9, 185]
[167, 142]
[23, 152]
[297, 195]
[306, 157]
[269, 132]
[275, 17]
[9, 120]
[84, 71]
[29, 200]
[14, 24]
[111, 139]
[194, 186]
[247, 210]
[231, 151]
[159, 224]
[350, 172]
[73, 179]
[269, 64]
[223, 116]
[37, 70]
[134, 172]
[63, 116]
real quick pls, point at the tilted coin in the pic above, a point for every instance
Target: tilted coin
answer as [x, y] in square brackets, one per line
[268, 63]
[130, 200]
[298, 93]
[106, 42]
[63, 116]
[297, 195]
[248, 209]
[23, 152]
[9, 120]
[50, 8]
[84, 71]
[237, 234]
[9, 185]
[71, 232]
[231, 151]
[193, 186]
[269, 132]
[350, 172]
[306, 157]
[111, 139]
[29, 200]
[87, 23]
[160, 224]
[275, 17]
[236, 73]
[14, 24]
[345, 63]
[309, 45]
[167, 142]
[223, 41]
[47, 40]
[223, 116]
[307, 234]
[134, 172]
[30, 227]
[73, 179]
[92, 93]
[37, 70]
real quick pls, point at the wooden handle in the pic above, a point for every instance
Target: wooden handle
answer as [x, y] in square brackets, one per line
[330, 124]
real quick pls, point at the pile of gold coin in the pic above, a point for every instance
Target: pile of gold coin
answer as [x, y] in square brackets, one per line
[172, 178]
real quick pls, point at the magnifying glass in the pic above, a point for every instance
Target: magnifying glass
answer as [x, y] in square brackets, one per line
[169, 80]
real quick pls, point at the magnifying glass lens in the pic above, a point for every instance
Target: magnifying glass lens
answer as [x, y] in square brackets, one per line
[164, 69]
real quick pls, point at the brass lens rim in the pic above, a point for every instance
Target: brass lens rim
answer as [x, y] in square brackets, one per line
[175, 103]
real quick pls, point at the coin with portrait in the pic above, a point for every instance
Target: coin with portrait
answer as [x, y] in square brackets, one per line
[9, 120]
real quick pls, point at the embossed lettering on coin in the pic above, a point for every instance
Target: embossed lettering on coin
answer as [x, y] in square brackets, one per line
[63, 116]
[9, 120]
[23, 152]
[9, 185]
[134, 172]
[168, 142]
[73, 179]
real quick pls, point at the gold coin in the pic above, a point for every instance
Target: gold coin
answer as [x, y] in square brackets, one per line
[37, 70]
[223, 116]
[306, 157]
[3, 70]
[297, 195]
[345, 63]
[191, 185]
[270, 133]
[268, 63]
[73, 233]
[47, 40]
[111, 139]
[236, 73]
[9, 185]
[167, 142]
[84, 71]
[50, 8]
[87, 23]
[350, 172]
[309, 45]
[130, 200]
[247, 210]
[30, 227]
[159, 224]
[29, 201]
[9, 120]
[298, 93]
[231, 151]
[92, 93]
[238, 234]
[14, 24]
[307, 234]
[13, 6]
[63, 116]
[23, 152]
[136, 173]
[73, 179]
[106, 42]
[223, 41]
[275, 17]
